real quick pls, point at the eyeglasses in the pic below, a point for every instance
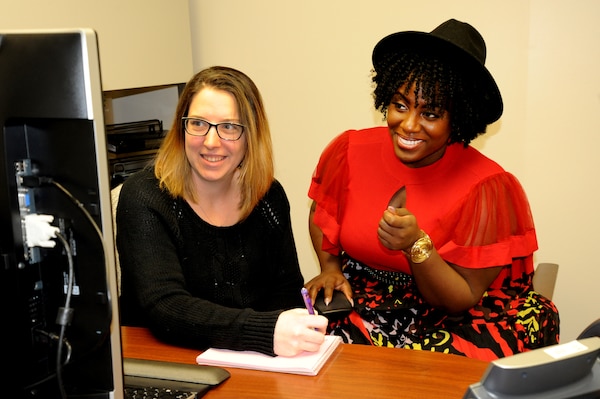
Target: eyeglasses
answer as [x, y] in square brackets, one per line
[199, 127]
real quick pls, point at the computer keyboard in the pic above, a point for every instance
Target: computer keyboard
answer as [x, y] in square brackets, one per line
[164, 380]
[158, 393]
[144, 387]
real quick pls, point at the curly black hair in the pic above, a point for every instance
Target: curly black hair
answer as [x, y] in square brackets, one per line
[442, 82]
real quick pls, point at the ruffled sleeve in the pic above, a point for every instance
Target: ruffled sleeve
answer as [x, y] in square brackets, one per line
[328, 189]
[493, 225]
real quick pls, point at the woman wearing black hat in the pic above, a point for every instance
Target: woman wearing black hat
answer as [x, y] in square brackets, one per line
[431, 240]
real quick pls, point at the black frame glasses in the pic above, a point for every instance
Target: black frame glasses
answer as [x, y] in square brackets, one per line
[228, 131]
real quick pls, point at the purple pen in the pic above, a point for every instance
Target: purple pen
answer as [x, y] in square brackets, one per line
[307, 301]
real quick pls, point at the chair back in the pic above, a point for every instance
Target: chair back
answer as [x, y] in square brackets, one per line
[544, 279]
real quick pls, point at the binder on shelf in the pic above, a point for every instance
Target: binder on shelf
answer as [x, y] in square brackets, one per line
[134, 136]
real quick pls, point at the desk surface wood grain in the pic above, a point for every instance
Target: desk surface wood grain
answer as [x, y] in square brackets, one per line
[353, 371]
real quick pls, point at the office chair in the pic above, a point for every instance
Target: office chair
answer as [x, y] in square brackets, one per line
[544, 279]
[593, 330]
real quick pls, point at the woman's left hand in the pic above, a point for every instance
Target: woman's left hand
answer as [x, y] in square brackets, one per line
[398, 229]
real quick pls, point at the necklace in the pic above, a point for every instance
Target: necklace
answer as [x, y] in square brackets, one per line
[206, 217]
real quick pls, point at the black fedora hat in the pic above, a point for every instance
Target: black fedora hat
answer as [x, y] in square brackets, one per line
[459, 40]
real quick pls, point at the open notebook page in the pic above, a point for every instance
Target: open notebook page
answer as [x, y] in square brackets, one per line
[306, 363]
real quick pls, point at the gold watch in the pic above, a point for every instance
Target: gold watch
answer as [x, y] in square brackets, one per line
[421, 249]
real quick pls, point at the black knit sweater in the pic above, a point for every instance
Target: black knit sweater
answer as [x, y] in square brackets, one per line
[197, 285]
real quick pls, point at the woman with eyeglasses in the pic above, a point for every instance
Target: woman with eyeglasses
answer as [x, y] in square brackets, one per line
[204, 236]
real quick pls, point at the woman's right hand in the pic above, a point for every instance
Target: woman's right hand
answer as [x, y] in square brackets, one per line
[330, 279]
[297, 331]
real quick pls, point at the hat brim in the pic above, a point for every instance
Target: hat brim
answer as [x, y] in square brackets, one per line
[423, 42]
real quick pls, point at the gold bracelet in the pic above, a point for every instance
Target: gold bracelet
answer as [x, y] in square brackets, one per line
[421, 249]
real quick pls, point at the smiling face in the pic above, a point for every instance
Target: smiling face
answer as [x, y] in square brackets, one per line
[419, 131]
[211, 158]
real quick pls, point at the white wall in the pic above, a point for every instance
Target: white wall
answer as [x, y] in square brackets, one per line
[311, 61]
[562, 138]
[142, 42]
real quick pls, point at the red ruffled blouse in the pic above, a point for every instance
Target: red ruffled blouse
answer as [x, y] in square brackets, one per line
[475, 212]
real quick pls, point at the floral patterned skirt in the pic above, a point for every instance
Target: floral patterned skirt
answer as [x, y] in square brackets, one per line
[389, 311]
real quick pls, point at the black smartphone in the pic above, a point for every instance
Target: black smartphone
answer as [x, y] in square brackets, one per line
[338, 307]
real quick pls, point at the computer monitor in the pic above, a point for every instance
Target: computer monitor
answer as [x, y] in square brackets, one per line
[562, 371]
[58, 280]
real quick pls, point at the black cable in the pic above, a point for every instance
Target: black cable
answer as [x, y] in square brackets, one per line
[51, 376]
[64, 317]
[37, 181]
[65, 313]
[55, 338]
[81, 206]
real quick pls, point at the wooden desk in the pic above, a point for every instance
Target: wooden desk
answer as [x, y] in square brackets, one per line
[353, 371]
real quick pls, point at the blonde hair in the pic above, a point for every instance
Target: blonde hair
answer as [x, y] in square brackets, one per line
[172, 167]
